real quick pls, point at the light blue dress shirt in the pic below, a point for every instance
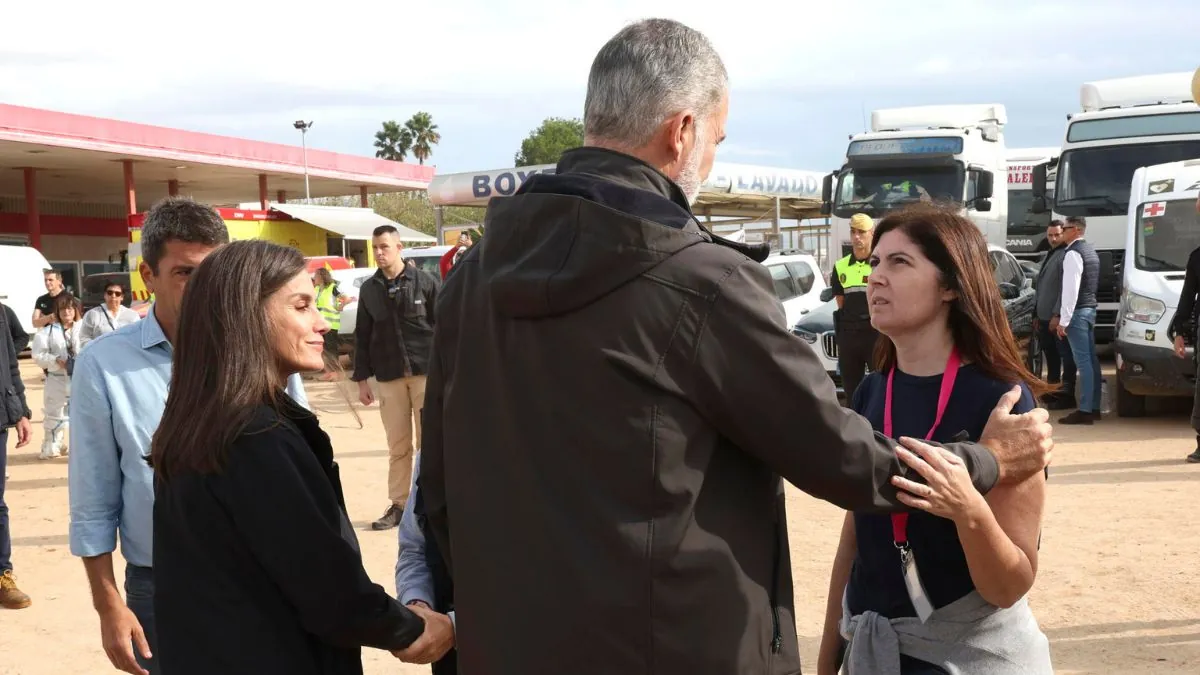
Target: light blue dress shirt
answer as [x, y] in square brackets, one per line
[414, 580]
[119, 391]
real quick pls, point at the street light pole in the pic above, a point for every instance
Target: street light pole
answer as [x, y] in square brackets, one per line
[304, 127]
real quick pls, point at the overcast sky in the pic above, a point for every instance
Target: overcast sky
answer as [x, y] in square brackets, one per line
[802, 73]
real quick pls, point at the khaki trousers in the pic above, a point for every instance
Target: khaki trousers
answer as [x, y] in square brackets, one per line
[400, 404]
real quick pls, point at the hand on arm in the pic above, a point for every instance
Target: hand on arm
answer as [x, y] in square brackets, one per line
[998, 534]
[744, 351]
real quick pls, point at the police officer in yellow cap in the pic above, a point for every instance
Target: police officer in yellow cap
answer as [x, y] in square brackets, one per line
[855, 336]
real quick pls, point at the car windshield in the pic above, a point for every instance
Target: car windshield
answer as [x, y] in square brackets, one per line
[1167, 233]
[1095, 181]
[874, 191]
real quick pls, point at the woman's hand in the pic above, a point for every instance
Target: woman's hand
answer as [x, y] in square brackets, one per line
[948, 491]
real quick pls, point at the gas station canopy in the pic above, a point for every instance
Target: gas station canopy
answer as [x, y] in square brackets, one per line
[350, 222]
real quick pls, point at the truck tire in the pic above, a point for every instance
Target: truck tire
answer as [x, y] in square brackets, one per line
[1129, 405]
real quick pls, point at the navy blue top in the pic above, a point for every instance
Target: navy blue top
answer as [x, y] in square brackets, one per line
[876, 580]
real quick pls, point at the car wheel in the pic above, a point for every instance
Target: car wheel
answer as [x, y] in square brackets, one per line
[1129, 405]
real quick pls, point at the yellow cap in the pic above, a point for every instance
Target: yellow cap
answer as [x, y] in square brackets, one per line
[861, 221]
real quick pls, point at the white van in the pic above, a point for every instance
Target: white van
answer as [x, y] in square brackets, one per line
[1163, 228]
[23, 280]
[798, 282]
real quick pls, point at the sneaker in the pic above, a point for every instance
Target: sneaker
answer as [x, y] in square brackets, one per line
[1194, 458]
[11, 597]
[389, 519]
[1079, 417]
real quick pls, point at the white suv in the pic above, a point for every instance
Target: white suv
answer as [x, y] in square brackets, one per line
[798, 282]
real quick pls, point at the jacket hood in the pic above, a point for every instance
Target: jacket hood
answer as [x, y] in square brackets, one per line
[567, 239]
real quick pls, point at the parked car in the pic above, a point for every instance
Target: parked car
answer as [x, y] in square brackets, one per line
[798, 282]
[1016, 292]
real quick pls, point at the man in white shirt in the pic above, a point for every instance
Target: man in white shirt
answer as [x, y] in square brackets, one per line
[1076, 320]
[107, 317]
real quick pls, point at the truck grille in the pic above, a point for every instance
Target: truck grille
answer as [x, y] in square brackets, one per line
[1111, 265]
[829, 344]
[1106, 317]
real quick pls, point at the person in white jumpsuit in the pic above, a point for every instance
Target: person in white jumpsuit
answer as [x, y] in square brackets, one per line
[53, 346]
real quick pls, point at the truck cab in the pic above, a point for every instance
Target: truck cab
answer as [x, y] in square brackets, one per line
[929, 153]
[1026, 228]
[1124, 124]
[1163, 230]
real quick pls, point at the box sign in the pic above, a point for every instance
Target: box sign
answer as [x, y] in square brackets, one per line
[906, 146]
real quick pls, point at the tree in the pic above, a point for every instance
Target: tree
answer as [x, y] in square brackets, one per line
[424, 135]
[547, 143]
[393, 142]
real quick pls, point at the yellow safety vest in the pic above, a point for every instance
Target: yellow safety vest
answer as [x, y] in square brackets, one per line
[327, 305]
[852, 273]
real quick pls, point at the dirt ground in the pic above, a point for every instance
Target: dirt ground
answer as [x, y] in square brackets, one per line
[1114, 593]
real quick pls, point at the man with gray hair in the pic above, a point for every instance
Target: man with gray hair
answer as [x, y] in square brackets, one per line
[613, 502]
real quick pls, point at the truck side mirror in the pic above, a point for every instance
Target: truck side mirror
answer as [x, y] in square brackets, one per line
[983, 187]
[827, 195]
[1039, 183]
[1038, 205]
[983, 205]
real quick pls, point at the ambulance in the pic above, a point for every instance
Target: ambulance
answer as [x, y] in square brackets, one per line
[1163, 228]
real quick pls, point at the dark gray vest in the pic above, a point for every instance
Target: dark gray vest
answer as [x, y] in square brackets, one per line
[1090, 282]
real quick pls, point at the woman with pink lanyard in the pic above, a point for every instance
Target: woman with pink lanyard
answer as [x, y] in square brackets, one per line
[941, 589]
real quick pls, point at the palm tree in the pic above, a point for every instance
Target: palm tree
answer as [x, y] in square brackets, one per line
[424, 134]
[393, 142]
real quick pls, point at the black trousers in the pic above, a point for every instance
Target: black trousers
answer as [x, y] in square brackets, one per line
[856, 351]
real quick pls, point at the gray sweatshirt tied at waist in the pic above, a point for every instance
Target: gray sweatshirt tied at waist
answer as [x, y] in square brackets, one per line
[1049, 284]
[967, 637]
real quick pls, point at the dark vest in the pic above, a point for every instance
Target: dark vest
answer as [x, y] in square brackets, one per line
[1090, 282]
[443, 586]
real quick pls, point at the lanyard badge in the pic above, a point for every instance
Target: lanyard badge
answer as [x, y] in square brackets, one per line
[908, 562]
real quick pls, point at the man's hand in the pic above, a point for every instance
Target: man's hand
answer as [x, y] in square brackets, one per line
[1061, 331]
[1180, 349]
[1022, 444]
[24, 432]
[433, 644]
[120, 631]
[1054, 324]
[365, 395]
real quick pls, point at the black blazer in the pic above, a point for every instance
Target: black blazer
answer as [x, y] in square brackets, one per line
[257, 569]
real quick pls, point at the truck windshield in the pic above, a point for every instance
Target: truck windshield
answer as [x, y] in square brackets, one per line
[1095, 181]
[875, 191]
[1021, 218]
[1167, 233]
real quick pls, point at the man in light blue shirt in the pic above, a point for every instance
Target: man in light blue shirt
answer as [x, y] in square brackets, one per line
[119, 393]
[414, 577]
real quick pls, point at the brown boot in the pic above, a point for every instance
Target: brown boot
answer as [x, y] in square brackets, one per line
[11, 597]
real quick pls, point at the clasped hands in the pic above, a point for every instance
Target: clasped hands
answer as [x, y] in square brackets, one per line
[434, 642]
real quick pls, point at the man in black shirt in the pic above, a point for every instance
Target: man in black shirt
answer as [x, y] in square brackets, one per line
[43, 307]
[392, 336]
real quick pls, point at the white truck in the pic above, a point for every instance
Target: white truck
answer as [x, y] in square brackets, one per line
[1163, 229]
[1026, 229]
[1125, 124]
[940, 153]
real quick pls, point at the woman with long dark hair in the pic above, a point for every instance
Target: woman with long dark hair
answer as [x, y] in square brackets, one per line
[941, 589]
[256, 566]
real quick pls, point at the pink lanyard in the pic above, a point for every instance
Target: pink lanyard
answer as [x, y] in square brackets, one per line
[900, 520]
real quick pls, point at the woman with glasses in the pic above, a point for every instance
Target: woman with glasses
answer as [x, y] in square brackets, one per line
[107, 317]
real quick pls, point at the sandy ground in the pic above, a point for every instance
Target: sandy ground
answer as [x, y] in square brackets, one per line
[1114, 594]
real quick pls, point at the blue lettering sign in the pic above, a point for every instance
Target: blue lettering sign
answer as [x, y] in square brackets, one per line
[907, 146]
[480, 187]
[505, 184]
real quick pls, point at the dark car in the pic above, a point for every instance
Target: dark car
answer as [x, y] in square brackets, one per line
[94, 284]
[1016, 292]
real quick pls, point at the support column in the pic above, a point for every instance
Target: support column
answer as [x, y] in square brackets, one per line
[32, 216]
[262, 191]
[437, 222]
[281, 196]
[130, 193]
[362, 196]
[173, 187]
